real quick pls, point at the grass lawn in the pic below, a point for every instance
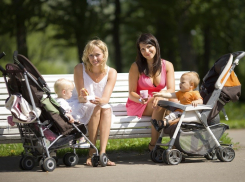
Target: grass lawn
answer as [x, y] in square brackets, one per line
[139, 145]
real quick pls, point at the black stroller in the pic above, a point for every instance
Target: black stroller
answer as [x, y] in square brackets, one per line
[199, 129]
[38, 117]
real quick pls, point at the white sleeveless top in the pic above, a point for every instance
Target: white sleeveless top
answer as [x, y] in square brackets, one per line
[83, 111]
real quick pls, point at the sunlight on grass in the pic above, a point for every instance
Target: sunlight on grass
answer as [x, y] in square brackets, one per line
[11, 149]
[139, 145]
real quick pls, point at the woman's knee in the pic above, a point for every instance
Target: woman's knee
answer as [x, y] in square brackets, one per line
[158, 111]
[105, 111]
[105, 118]
[97, 111]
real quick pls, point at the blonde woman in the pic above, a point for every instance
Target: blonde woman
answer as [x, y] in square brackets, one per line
[95, 78]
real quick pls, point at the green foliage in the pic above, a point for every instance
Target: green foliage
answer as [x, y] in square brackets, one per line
[234, 111]
[11, 149]
[192, 34]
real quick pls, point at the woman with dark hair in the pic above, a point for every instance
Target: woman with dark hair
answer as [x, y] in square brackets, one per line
[151, 73]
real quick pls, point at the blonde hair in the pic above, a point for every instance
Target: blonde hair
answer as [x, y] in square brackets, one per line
[89, 48]
[194, 78]
[63, 84]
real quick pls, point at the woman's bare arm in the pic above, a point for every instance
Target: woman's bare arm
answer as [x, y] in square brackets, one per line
[133, 80]
[164, 94]
[111, 81]
[78, 80]
[170, 83]
[170, 77]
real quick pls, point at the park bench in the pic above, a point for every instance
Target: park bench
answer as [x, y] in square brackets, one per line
[123, 126]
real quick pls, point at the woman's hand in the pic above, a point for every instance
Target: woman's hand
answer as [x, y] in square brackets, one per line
[143, 101]
[157, 94]
[155, 101]
[83, 95]
[96, 101]
[82, 99]
[83, 92]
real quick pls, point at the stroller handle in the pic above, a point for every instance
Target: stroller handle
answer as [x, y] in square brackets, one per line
[2, 55]
[17, 61]
[1, 68]
[239, 54]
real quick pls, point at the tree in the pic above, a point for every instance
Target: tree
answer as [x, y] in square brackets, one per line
[116, 36]
[75, 22]
[18, 18]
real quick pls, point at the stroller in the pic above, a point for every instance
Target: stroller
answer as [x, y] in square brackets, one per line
[42, 123]
[199, 129]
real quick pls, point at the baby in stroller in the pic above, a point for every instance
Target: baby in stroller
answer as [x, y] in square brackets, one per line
[23, 80]
[198, 130]
[63, 88]
[186, 95]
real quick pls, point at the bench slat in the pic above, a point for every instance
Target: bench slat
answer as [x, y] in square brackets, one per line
[9, 131]
[122, 126]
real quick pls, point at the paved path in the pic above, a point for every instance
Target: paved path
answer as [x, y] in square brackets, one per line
[133, 167]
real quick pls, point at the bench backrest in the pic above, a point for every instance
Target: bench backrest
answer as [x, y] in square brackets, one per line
[122, 124]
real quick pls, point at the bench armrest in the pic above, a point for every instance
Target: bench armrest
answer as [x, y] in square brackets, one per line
[173, 106]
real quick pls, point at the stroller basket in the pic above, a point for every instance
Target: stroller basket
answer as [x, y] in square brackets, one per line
[198, 141]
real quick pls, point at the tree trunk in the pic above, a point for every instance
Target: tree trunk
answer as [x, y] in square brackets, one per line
[116, 37]
[20, 29]
[206, 56]
[188, 58]
[80, 46]
[187, 54]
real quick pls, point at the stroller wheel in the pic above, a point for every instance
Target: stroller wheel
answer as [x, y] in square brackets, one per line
[49, 164]
[56, 159]
[103, 160]
[20, 164]
[70, 159]
[210, 156]
[157, 155]
[95, 160]
[27, 163]
[225, 154]
[174, 157]
[164, 156]
[41, 164]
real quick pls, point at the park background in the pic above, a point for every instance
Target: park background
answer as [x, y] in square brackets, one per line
[192, 34]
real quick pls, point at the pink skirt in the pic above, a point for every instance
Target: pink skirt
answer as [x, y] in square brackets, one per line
[134, 108]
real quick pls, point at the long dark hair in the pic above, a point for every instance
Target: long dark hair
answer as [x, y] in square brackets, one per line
[147, 38]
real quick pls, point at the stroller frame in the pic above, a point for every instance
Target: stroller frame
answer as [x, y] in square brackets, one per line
[31, 138]
[196, 117]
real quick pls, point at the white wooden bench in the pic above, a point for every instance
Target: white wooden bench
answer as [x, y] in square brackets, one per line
[123, 126]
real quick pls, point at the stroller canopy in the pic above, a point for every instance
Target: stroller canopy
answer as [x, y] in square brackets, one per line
[231, 91]
[232, 87]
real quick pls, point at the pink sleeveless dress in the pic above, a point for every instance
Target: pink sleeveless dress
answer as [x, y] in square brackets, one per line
[145, 83]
